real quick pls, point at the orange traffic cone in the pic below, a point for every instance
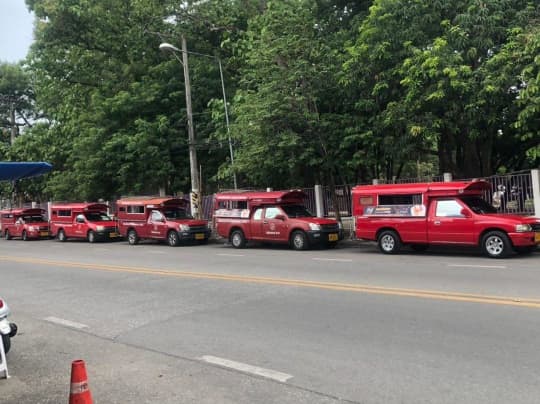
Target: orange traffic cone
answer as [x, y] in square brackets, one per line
[79, 393]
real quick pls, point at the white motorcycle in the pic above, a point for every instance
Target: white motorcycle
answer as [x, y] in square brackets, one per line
[7, 330]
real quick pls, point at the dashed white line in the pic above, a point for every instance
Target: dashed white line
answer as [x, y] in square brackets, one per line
[66, 323]
[332, 259]
[477, 266]
[231, 255]
[244, 367]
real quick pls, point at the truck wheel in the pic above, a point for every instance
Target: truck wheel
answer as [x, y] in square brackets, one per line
[299, 240]
[132, 237]
[8, 236]
[389, 242]
[172, 238]
[61, 235]
[24, 236]
[238, 240]
[7, 343]
[91, 236]
[496, 244]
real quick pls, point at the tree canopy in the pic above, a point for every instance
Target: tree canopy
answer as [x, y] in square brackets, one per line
[318, 91]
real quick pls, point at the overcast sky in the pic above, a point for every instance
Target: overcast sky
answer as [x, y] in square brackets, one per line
[16, 25]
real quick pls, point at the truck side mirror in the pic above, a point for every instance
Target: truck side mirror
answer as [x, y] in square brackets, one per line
[465, 213]
[280, 217]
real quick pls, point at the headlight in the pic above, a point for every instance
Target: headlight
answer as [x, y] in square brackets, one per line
[31, 228]
[314, 226]
[184, 227]
[100, 228]
[340, 225]
[523, 228]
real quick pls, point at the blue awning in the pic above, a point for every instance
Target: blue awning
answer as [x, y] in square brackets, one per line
[15, 171]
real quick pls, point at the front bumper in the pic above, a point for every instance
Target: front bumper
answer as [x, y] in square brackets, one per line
[194, 234]
[108, 234]
[324, 237]
[525, 239]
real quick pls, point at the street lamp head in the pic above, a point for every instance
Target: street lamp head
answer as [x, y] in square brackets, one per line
[167, 47]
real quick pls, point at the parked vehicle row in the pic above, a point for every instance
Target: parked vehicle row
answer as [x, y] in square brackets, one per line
[418, 215]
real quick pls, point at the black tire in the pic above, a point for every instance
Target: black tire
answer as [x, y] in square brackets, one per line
[299, 240]
[172, 238]
[7, 343]
[91, 236]
[525, 250]
[389, 242]
[8, 236]
[496, 244]
[419, 247]
[132, 237]
[24, 236]
[61, 235]
[238, 240]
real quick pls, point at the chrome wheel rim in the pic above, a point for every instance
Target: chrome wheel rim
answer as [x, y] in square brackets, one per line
[173, 238]
[132, 237]
[388, 243]
[236, 239]
[298, 241]
[494, 245]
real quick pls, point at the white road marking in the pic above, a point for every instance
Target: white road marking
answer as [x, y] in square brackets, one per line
[231, 255]
[155, 252]
[477, 266]
[244, 367]
[332, 259]
[66, 323]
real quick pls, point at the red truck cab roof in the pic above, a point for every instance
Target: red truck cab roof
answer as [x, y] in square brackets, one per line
[262, 198]
[431, 189]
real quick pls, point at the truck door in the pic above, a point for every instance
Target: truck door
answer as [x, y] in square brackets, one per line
[273, 228]
[157, 226]
[447, 224]
[256, 224]
[79, 227]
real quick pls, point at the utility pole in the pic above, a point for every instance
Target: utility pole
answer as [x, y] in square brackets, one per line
[194, 168]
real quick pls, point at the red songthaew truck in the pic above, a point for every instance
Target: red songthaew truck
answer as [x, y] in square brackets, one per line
[83, 220]
[159, 218]
[446, 213]
[277, 216]
[24, 223]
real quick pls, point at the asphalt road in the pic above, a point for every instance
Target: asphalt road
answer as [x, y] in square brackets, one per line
[211, 324]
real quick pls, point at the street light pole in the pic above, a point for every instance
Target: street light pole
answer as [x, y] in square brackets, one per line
[193, 166]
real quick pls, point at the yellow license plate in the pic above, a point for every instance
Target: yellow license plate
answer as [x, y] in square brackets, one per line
[44, 233]
[332, 237]
[199, 236]
[537, 237]
[113, 234]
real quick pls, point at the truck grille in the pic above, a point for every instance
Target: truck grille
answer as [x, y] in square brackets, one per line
[536, 227]
[330, 228]
[198, 229]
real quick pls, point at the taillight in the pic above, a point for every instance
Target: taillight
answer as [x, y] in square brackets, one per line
[1, 303]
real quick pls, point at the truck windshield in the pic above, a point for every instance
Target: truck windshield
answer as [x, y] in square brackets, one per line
[478, 205]
[177, 214]
[33, 219]
[97, 217]
[296, 211]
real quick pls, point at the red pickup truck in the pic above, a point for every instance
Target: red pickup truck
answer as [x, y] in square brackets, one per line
[449, 213]
[24, 223]
[276, 217]
[159, 218]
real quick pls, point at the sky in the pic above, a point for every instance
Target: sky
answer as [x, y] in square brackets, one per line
[16, 25]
